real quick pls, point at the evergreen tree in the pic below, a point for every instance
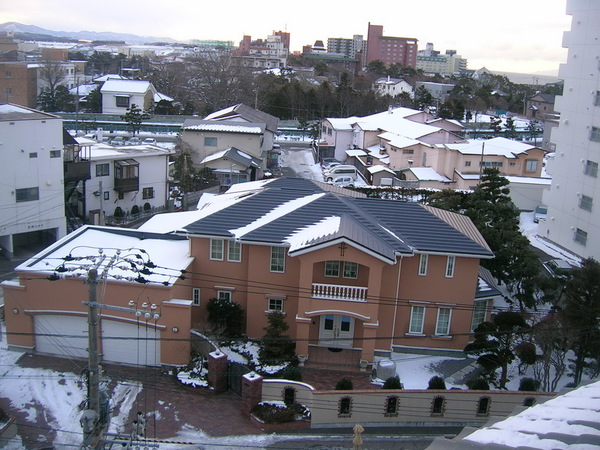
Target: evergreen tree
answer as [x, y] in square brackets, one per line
[495, 343]
[93, 101]
[134, 117]
[226, 317]
[276, 347]
[582, 314]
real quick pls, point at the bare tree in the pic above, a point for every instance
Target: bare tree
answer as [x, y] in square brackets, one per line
[53, 74]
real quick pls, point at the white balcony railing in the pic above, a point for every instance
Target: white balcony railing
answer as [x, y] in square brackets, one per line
[337, 292]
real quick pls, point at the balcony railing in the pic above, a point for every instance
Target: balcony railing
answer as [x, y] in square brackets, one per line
[337, 292]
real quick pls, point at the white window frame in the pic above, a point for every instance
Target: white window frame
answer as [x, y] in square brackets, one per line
[413, 310]
[214, 252]
[446, 330]
[236, 256]
[195, 296]
[275, 301]
[348, 272]
[450, 266]
[225, 295]
[479, 313]
[423, 263]
[332, 269]
[531, 165]
[277, 263]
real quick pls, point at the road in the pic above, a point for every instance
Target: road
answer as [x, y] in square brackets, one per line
[296, 160]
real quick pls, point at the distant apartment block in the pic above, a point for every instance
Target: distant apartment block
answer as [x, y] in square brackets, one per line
[390, 49]
[350, 48]
[431, 61]
[263, 53]
[573, 219]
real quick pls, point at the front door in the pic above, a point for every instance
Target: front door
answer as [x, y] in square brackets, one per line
[336, 331]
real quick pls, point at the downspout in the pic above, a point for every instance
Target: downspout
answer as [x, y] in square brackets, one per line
[396, 305]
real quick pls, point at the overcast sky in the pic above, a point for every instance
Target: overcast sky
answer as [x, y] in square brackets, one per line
[506, 35]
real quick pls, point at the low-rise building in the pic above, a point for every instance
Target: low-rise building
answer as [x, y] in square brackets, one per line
[31, 161]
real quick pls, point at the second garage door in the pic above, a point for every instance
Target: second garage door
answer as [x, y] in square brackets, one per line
[130, 343]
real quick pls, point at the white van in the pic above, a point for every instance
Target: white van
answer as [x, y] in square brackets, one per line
[338, 171]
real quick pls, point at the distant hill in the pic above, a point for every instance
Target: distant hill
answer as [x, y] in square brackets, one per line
[22, 31]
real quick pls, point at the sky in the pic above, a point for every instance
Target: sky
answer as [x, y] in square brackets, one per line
[523, 36]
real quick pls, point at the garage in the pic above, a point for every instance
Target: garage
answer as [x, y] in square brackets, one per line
[130, 343]
[68, 335]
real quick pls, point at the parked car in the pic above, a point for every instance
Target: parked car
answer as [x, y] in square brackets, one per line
[151, 141]
[540, 213]
[344, 181]
[325, 161]
[341, 170]
[117, 141]
[558, 268]
[330, 165]
[134, 141]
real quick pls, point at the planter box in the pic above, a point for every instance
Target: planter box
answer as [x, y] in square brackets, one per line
[274, 427]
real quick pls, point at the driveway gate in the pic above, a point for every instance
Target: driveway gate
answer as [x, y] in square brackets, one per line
[236, 372]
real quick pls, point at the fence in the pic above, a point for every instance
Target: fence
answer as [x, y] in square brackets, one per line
[442, 408]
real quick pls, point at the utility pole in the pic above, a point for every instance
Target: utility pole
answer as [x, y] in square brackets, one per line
[90, 419]
[101, 219]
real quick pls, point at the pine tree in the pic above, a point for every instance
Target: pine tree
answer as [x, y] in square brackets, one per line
[276, 347]
[134, 117]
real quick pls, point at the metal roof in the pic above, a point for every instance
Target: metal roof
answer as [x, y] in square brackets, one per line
[385, 227]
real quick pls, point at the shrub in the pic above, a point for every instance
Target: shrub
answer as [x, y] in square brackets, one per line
[225, 316]
[291, 373]
[278, 413]
[436, 382]
[119, 212]
[478, 385]
[392, 383]
[529, 385]
[147, 206]
[135, 209]
[345, 384]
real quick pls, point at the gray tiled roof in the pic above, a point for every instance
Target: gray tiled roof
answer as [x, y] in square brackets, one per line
[386, 227]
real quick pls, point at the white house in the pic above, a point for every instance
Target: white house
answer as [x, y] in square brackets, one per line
[31, 169]
[123, 177]
[119, 95]
[392, 86]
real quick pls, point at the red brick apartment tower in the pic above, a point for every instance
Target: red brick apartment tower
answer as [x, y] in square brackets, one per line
[285, 38]
[390, 49]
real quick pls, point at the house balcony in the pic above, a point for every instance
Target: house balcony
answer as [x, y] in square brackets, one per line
[127, 184]
[76, 171]
[339, 292]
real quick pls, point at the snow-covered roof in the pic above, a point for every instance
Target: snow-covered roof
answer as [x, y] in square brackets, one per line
[9, 111]
[380, 168]
[107, 152]
[235, 155]
[83, 89]
[427, 174]
[229, 126]
[356, 152]
[399, 141]
[497, 146]
[569, 420]
[110, 76]
[529, 180]
[93, 246]
[344, 124]
[159, 97]
[126, 86]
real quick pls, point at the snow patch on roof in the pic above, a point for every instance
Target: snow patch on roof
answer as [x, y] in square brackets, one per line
[325, 227]
[275, 214]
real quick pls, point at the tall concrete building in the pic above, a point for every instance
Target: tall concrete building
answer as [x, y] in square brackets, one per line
[348, 47]
[390, 49]
[573, 200]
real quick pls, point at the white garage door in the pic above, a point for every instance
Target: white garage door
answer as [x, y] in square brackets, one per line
[130, 344]
[60, 328]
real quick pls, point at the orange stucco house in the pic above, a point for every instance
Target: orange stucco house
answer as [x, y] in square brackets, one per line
[347, 271]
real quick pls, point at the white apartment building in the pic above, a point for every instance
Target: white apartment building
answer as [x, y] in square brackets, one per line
[573, 200]
[32, 201]
[431, 61]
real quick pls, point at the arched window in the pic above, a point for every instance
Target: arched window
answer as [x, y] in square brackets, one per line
[392, 404]
[289, 395]
[483, 406]
[345, 407]
[438, 405]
